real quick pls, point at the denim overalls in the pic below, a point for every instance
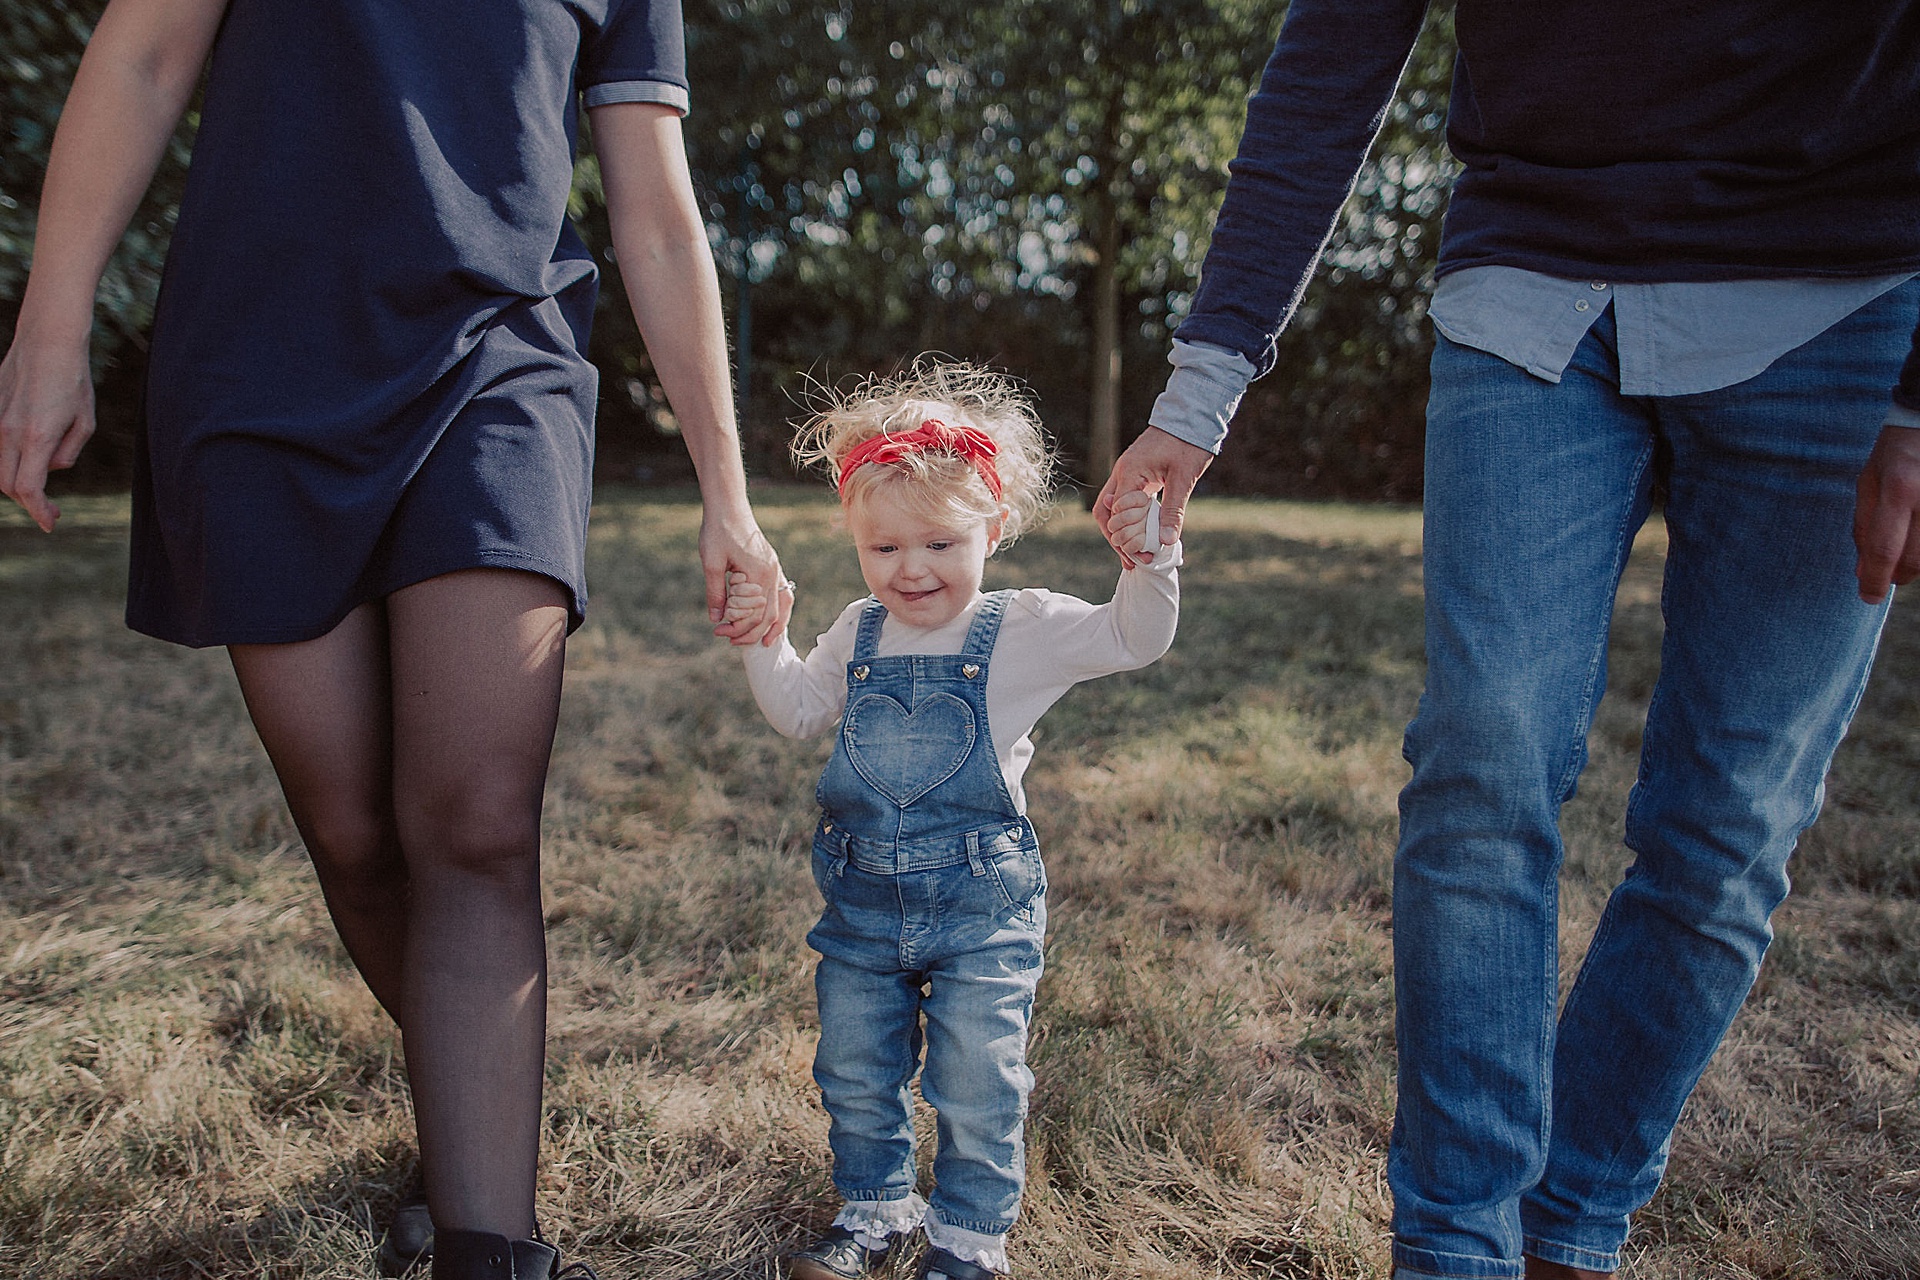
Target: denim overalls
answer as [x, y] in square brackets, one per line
[935, 905]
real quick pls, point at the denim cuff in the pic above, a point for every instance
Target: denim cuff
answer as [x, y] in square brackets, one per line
[1568, 1255]
[1202, 393]
[1898, 415]
[973, 1226]
[1410, 1263]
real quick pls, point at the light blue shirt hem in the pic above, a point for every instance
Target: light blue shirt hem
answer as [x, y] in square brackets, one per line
[1675, 339]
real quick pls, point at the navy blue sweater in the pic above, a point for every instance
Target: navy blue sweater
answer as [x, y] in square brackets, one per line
[1641, 140]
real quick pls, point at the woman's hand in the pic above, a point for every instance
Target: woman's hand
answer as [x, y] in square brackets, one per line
[46, 415]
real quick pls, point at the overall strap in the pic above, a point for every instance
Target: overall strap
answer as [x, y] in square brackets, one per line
[867, 642]
[986, 625]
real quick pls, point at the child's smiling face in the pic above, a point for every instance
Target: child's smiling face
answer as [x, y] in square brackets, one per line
[924, 573]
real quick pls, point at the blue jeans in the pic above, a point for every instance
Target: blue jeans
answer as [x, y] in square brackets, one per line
[953, 935]
[1513, 1135]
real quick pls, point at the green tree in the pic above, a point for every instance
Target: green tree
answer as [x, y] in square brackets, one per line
[934, 178]
[1129, 111]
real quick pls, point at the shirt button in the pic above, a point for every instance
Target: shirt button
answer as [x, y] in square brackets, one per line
[1599, 286]
[1582, 305]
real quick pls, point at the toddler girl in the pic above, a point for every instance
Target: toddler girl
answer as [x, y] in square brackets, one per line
[935, 893]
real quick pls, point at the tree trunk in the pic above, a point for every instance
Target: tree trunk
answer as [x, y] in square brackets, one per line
[1103, 400]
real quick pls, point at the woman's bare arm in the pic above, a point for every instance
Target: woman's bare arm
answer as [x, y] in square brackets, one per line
[134, 81]
[670, 278]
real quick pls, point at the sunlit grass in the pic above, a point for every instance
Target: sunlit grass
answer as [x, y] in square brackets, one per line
[192, 1082]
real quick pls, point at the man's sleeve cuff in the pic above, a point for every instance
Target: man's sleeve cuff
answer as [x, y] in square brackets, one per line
[1202, 393]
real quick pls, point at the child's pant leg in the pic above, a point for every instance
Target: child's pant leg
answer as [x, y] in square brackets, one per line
[977, 1081]
[869, 1048]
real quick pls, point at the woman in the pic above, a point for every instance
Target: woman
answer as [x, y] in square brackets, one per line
[366, 458]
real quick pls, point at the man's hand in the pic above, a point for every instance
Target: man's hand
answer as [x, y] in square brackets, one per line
[1155, 463]
[1886, 518]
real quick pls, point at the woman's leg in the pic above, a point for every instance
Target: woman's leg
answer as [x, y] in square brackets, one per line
[476, 662]
[323, 711]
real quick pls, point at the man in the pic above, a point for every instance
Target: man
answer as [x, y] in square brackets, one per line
[1683, 241]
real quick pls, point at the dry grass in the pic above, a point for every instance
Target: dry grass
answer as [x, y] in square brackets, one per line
[195, 1085]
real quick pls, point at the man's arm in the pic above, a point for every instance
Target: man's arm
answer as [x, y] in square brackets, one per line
[1320, 104]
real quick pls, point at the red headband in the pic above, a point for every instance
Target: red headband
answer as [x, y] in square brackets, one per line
[931, 436]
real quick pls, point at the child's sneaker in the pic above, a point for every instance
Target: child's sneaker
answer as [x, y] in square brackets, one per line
[941, 1265]
[837, 1255]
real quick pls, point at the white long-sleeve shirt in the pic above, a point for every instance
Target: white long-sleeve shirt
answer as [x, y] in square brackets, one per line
[1048, 643]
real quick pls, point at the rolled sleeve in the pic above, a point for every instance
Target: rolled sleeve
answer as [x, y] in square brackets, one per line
[638, 55]
[1202, 393]
[671, 95]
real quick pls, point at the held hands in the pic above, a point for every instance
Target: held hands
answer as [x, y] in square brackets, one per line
[1886, 517]
[1155, 463]
[749, 609]
[732, 547]
[1133, 527]
[46, 415]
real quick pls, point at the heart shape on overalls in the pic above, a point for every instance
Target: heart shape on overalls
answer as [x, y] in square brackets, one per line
[905, 754]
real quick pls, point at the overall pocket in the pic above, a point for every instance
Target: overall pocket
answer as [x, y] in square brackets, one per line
[829, 860]
[1021, 875]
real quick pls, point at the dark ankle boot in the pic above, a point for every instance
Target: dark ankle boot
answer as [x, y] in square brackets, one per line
[407, 1244]
[481, 1255]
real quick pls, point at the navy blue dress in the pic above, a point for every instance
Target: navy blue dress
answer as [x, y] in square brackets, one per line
[368, 363]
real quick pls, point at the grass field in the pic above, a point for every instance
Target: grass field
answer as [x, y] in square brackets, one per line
[193, 1083]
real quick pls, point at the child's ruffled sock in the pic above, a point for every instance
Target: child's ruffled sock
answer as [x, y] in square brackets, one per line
[873, 1222]
[968, 1246]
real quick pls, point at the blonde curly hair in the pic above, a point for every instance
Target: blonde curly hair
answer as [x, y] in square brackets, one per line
[941, 487]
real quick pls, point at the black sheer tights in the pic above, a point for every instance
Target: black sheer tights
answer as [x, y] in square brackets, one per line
[412, 744]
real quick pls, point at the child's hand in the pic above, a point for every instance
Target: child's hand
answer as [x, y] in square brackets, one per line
[747, 603]
[1133, 527]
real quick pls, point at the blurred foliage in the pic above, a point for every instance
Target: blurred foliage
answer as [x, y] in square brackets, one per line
[881, 180]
